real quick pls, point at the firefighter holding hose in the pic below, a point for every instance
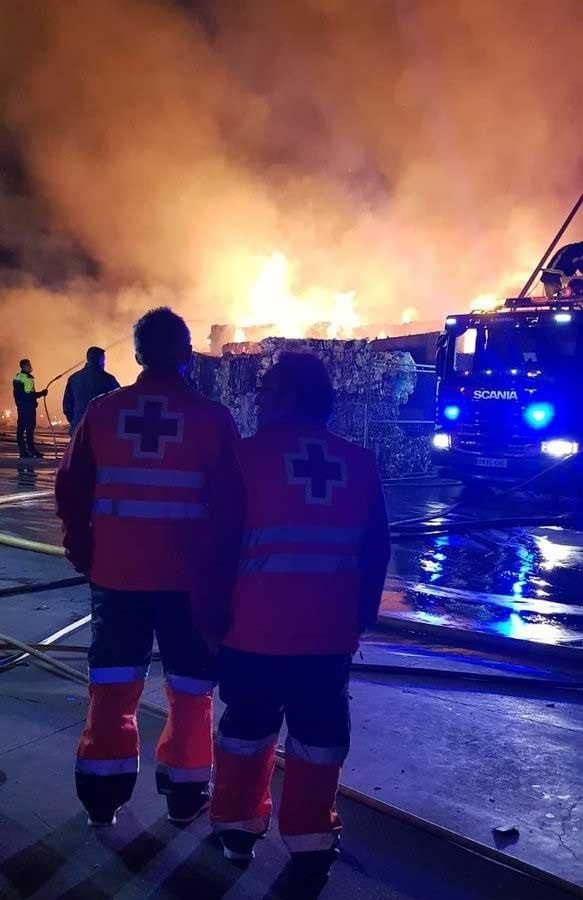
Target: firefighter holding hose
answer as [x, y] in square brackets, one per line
[26, 399]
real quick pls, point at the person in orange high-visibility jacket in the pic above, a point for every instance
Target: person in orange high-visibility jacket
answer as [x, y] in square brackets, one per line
[151, 503]
[314, 558]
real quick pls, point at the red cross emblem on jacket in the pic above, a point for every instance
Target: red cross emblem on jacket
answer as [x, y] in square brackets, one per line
[151, 427]
[317, 470]
[314, 507]
[147, 486]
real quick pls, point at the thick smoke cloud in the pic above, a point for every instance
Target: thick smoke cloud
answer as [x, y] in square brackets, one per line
[417, 152]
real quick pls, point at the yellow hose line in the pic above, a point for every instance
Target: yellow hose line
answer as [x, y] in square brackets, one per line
[36, 546]
[9, 540]
[6, 499]
[64, 669]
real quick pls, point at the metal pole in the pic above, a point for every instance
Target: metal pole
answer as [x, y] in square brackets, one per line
[551, 247]
[367, 396]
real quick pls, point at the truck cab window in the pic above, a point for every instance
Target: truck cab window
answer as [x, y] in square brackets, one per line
[464, 351]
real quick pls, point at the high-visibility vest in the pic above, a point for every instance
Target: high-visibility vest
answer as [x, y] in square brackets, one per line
[309, 495]
[153, 445]
[27, 382]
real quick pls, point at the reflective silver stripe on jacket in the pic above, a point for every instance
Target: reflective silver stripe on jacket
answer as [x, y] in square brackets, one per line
[297, 563]
[117, 674]
[320, 756]
[301, 534]
[149, 477]
[149, 509]
[182, 775]
[128, 766]
[184, 685]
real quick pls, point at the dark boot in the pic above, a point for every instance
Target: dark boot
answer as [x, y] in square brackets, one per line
[309, 871]
[186, 800]
[238, 845]
[103, 796]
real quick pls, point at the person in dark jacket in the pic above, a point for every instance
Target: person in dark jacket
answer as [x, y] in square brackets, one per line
[26, 400]
[84, 386]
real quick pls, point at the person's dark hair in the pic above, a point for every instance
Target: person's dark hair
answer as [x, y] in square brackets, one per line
[23, 362]
[161, 339]
[94, 353]
[306, 376]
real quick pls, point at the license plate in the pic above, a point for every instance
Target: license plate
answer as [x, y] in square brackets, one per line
[487, 463]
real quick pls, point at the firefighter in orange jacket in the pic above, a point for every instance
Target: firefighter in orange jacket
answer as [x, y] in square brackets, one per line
[148, 495]
[315, 551]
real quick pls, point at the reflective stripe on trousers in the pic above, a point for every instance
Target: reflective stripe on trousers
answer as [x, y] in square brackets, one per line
[184, 775]
[149, 509]
[242, 747]
[117, 674]
[318, 756]
[104, 767]
[185, 685]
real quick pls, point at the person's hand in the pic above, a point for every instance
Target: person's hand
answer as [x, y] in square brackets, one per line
[79, 553]
[80, 564]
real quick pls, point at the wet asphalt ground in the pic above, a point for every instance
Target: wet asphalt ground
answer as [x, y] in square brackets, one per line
[468, 756]
[510, 581]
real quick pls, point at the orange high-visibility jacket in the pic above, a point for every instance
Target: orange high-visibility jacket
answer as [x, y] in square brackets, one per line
[149, 489]
[315, 543]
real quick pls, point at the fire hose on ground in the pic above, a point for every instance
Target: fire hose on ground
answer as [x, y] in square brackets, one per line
[476, 678]
[387, 809]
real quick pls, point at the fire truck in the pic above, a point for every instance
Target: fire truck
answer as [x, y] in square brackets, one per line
[510, 384]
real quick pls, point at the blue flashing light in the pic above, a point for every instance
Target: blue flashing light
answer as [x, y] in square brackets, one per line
[452, 412]
[539, 415]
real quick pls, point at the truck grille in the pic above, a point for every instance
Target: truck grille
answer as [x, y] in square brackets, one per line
[495, 430]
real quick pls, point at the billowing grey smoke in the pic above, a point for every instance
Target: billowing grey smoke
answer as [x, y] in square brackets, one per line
[417, 152]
